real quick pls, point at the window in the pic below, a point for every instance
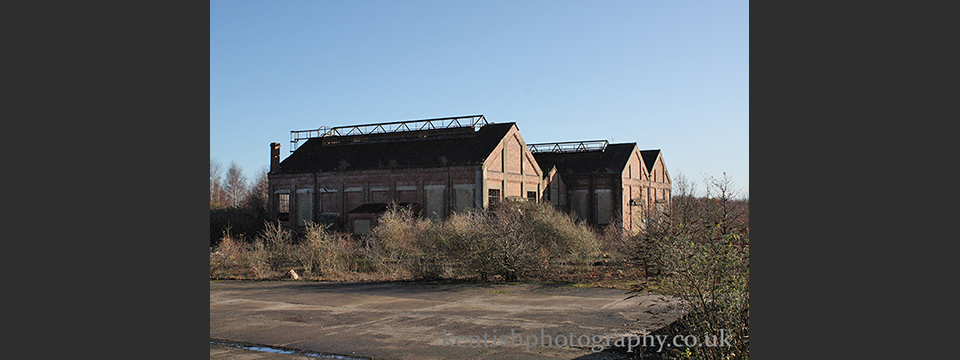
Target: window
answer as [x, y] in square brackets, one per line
[578, 203]
[532, 196]
[304, 206]
[464, 199]
[494, 195]
[361, 226]
[604, 206]
[283, 206]
[434, 206]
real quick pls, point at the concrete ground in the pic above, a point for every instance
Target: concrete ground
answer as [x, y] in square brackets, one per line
[406, 321]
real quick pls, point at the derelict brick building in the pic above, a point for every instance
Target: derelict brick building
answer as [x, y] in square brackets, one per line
[347, 175]
[603, 183]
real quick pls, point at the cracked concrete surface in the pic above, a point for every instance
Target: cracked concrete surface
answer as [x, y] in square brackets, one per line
[407, 321]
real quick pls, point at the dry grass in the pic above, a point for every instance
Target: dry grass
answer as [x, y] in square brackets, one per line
[515, 242]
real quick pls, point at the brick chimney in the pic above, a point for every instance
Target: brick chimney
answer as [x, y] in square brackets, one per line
[274, 157]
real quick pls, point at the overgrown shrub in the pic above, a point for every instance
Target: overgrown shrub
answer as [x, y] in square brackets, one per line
[275, 244]
[228, 256]
[712, 279]
[235, 258]
[513, 240]
[702, 253]
[322, 252]
[397, 239]
[314, 252]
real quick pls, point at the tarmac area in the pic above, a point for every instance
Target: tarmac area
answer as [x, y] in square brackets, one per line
[282, 320]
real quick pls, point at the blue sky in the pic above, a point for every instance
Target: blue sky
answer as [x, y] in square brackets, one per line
[667, 75]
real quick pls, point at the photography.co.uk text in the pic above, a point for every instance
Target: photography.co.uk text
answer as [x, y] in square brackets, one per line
[596, 343]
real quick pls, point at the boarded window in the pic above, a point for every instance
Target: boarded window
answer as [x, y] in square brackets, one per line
[304, 207]
[464, 200]
[434, 201]
[328, 202]
[361, 226]
[406, 196]
[604, 206]
[379, 196]
[354, 199]
[578, 203]
[636, 214]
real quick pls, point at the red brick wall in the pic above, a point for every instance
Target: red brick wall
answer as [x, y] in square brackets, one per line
[340, 192]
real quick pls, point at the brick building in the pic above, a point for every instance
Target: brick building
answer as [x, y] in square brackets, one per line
[346, 175]
[602, 183]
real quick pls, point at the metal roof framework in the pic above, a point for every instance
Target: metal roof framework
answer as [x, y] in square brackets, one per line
[474, 121]
[569, 146]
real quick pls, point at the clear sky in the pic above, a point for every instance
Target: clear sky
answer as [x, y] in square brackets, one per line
[668, 75]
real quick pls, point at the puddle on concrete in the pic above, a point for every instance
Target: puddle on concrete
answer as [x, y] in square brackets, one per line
[278, 350]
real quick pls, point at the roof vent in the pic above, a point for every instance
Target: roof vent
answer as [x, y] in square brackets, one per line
[569, 146]
[471, 121]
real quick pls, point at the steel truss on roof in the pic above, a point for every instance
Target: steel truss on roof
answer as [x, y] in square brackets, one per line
[474, 121]
[569, 146]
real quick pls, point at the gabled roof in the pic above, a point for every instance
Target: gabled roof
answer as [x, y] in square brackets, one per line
[650, 158]
[387, 151]
[611, 160]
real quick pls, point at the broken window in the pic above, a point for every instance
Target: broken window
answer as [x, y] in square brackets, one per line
[494, 196]
[283, 206]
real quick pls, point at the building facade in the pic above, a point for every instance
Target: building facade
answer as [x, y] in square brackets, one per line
[604, 184]
[347, 175]
[439, 166]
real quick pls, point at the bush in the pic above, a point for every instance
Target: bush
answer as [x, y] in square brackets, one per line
[322, 252]
[397, 240]
[702, 253]
[235, 258]
[314, 252]
[274, 244]
[228, 256]
[513, 240]
[711, 278]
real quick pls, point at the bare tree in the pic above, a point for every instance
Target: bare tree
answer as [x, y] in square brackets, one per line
[702, 256]
[259, 185]
[216, 182]
[235, 184]
[683, 206]
[256, 199]
[727, 212]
